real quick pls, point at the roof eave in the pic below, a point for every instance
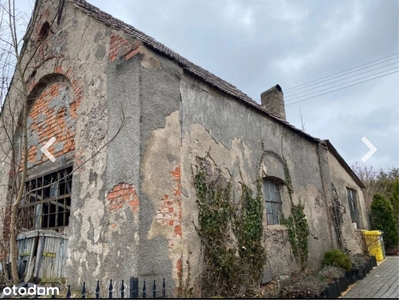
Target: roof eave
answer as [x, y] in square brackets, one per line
[344, 164]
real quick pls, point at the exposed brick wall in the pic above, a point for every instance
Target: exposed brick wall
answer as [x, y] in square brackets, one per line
[53, 114]
[122, 195]
[170, 213]
[120, 47]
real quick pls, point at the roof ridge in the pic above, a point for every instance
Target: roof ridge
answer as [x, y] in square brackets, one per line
[205, 75]
[119, 24]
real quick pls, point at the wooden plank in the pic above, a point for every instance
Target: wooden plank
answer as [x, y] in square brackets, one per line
[50, 258]
[45, 265]
[31, 261]
[39, 256]
[48, 267]
[40, 232]
[30, 269]
[57, 262]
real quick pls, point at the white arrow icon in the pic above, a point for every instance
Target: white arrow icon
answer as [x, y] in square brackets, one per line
[372, 149]
[46, 152]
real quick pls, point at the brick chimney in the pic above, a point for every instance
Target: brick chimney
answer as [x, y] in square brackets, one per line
[273, 101]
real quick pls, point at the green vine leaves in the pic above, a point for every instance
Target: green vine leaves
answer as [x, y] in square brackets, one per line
[298, 227]
[231, 233]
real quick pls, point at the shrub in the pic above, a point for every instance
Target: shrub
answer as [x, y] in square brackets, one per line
[309, 287]
[358, 261]
[337, 258]
[331, 272]
[383, 218]
[394, 199]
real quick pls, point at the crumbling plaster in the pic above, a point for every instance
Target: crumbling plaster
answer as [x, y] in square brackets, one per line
[66, 53]
[342, 181]
[141, 123]
[233, 134]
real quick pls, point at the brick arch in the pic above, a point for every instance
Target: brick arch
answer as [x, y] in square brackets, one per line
[53, 108]
[38, 87]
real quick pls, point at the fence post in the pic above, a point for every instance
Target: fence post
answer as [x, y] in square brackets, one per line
[84, 290]
[144, 290]
[163, 288]
[98, 289]
[134, 287]
[122, 290]
[110, 289]
[68, 294]
[154, 291]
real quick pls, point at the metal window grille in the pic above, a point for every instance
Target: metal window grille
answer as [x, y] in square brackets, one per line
[47, 204]
[272, 195]
[352, 199]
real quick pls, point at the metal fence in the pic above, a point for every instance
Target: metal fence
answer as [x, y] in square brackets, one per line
[132, 291]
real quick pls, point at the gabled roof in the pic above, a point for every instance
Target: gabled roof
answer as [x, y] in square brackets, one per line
[188, 66]
[199, 72]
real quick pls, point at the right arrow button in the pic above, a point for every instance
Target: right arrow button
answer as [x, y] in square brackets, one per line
[373, 149]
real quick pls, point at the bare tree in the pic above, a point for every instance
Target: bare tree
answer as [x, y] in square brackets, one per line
[15, 64]
[371, 179]
[12, 57]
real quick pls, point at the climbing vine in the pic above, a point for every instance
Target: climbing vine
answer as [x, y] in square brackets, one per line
[298, 227]
[298, 232]
[337, 212]
[231, 233]
[249, 232]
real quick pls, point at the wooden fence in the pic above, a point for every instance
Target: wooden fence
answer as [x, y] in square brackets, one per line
[42, 254]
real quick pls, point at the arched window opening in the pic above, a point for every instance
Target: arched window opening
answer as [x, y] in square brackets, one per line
[44, 31]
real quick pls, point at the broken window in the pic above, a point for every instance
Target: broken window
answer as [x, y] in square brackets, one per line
[48, 201]
[44, 31]
[272, 194]
[353, 206]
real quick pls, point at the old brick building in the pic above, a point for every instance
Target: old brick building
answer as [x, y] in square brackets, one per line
[129, 117]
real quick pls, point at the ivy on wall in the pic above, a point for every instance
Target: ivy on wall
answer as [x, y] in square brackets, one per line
[338, 211]
[231, 233]
[298, 227]
[249, 231]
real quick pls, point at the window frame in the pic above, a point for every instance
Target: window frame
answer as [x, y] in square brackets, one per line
[48, 206]
[353, 206]
[273, 217]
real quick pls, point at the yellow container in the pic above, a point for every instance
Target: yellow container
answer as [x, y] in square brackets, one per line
[374, 243]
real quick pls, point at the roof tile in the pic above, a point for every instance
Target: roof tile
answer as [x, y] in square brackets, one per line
[205, 75]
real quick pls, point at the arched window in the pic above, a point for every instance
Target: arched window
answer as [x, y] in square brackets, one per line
[44, 31]
[272, 194]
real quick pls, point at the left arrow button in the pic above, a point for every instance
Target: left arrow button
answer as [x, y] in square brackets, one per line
[46, 152]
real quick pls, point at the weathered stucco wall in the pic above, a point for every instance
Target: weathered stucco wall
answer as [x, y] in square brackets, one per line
[233, 134]
[160, 169]
[133, 123]
[139, 231]
[342, 181]
[69, 103]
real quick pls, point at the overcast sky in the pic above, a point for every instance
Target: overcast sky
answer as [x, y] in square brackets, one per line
[255, 44]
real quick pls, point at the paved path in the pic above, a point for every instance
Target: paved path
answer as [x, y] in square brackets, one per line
[381, 282]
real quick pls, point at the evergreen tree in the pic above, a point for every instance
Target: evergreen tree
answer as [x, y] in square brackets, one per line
[394, 199]
[383, 218]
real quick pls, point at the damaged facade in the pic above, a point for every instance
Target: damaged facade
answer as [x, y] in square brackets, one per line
[130, 117]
